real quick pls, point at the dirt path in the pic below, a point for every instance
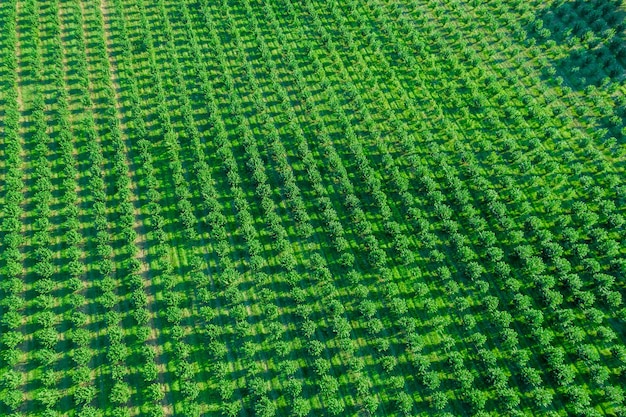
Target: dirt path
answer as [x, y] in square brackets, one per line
[27, 346]
[140, 241]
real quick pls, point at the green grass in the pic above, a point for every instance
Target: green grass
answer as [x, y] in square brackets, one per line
[472, 136]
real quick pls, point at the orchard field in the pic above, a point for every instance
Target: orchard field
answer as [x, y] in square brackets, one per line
[312, 208]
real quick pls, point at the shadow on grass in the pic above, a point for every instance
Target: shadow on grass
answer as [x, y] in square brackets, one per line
[595, 36]
[591, 38]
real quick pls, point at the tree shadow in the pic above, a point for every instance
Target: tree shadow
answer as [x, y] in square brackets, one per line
[595, 35]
